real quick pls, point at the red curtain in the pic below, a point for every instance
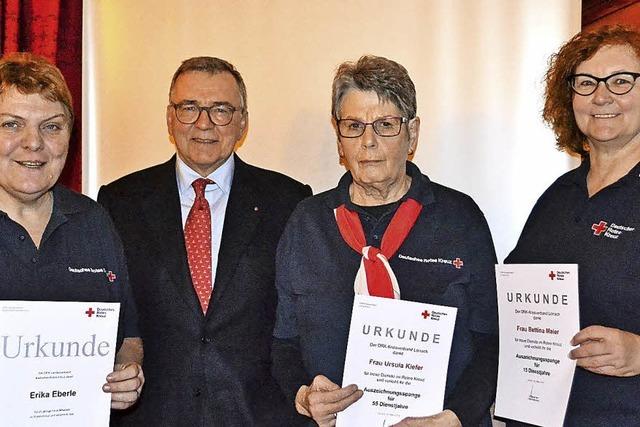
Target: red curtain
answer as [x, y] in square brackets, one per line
[596, 13]
[53, 29]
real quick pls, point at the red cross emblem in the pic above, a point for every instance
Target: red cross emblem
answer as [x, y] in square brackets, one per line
[599, 228]
[90, 312]
[552, 275]
[426, 314]
[457, 263]
[111, 276]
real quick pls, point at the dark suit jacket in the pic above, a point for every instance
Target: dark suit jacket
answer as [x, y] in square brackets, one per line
[213, 369]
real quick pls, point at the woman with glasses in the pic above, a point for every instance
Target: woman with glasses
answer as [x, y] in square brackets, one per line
[432, 242]
[591, 216]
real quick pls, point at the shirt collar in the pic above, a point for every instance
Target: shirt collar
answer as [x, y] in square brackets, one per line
[419, 190]
[222, 177]
[633, 176]
[64, 201]
[578, 176]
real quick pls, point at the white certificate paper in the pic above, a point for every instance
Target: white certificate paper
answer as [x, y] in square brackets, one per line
[398, 353]
[54, 358]
[539, 314]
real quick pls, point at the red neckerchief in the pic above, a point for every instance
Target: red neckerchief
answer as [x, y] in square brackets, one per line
[379, 276]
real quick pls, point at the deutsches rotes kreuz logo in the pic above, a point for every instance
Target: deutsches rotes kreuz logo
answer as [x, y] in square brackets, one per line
[610, 230]
[457, 262]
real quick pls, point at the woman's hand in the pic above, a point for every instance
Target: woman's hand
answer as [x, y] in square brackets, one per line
[323, 399]
[607, 351]
[125, 385]
[446, 418]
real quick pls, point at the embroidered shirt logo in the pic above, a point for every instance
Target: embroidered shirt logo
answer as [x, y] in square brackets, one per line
[599, 228]
[111, 276]
[611, 231]
[457, 262]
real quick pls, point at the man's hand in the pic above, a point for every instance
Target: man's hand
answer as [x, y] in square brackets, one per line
[323, 399]
[607, 351]
[446, 418]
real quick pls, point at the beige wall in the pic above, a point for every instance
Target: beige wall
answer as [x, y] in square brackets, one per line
[477, 66]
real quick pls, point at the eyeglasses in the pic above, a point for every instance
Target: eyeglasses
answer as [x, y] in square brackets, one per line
[386, 126]
[188, 113]
[617, 83]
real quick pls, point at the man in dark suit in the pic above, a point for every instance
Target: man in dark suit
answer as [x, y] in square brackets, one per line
[200, 233]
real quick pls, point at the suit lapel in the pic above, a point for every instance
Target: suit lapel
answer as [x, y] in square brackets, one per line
[163, 214]
[241, 218]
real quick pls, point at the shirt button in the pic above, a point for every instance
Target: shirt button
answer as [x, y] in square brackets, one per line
[34, 260]
[376, 237]
[22, 237]
[197, 392]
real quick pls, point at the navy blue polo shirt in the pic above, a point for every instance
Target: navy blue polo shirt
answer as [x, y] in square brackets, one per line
[602, 235]
[448, 258]
[80, 259]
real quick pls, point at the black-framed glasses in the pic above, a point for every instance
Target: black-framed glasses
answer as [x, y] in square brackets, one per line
[220, 114]
[386, 126]
[617, 83]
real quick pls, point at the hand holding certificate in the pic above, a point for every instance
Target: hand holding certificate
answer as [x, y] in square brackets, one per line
[398, 354]
[323, 399]
[56, 355]
[125, 382]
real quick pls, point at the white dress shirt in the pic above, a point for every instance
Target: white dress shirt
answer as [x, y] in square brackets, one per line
[217, 194]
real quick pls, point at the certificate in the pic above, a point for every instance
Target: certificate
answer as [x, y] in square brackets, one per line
[398, 354]
[54, 358]
[539, 314]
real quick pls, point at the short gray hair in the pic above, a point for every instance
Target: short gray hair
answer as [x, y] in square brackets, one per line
[211, 65]
[388, 79]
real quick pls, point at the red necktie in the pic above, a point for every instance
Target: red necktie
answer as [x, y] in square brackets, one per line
[197, 236]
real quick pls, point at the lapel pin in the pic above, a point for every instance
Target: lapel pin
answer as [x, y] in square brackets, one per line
[255, 209]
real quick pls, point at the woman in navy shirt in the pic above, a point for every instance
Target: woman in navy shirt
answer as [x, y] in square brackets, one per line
[417, 240]
[591, 216]
[56, 245]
